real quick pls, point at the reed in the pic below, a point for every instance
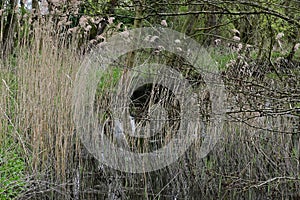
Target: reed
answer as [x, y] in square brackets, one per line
[37, 86]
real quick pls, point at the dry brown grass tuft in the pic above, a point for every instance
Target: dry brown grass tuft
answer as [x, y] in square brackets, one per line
[43, 73]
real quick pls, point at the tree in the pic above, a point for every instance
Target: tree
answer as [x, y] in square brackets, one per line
[10, 22]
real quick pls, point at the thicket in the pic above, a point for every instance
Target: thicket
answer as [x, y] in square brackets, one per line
[255, 44]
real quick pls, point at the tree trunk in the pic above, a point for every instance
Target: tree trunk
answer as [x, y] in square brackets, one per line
[188, 26]
[9, 29]
[36, 7]
[137, 24]
[211, 28]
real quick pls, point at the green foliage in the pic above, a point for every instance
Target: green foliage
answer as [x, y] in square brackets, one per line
[183, 9]
[12, 164]
[272, 75]
[222, 58]
[109, 79]
[12, 168]
[125, 16]
[91, 8]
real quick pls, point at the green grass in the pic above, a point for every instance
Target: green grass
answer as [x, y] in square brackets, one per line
[108, 79]
[12, 163]
[222, 58]
[12, 167]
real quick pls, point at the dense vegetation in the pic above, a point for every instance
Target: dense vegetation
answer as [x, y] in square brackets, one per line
[256, 46]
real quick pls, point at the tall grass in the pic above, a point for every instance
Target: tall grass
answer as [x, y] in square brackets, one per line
[36, 98]
[37, 126]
